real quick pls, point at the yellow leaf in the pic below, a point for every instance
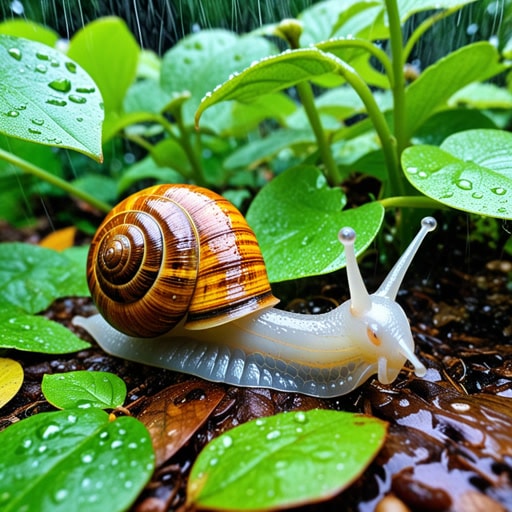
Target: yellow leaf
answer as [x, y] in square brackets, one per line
[11, 379]
[60, 239]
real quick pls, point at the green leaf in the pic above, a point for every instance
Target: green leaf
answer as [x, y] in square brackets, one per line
[108, 51]
[409, 7]
[296, 219]
[471, 171]
[74, 460]
[439, 82]
[11, 379]
[84, 389]
[47, 98]
[22, 331]
[209, 57]
[32, 277]
[285, 460]
[483, 96]
[269, 75]
[29, 30]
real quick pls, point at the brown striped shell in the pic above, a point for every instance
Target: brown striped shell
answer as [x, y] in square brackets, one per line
[171, 252]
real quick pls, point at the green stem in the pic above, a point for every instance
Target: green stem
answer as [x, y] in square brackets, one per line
[398, 90]
[373, 50]
[422, 28]
[412, 202]
[379, 122]
[308, 102]
[184, 139]
[32, 169]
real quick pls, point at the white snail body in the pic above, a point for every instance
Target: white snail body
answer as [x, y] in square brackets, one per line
[320, 355]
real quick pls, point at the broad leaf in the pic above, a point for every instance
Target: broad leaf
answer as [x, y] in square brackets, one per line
[285, 460]
[439, 82]
[47, 98]
[29, 30]
[73, 460]
[107, 50]
[271, 74]
[32, 277]
[11, 379]
[84, 389]
[297, 217]
[201, 61]
[31, 333]
[471, 171]
[407, 8]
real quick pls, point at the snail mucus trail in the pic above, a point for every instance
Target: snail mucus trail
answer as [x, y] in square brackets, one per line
[180, 283]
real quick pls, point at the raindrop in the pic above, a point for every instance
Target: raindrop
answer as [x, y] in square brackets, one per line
[300, 417]
[60, 84]
[79, 119]
[85, 90]
[42, 56]
[412, 170]
[116, 444]
[422, 174]
[60, 495]
[472, 29]
[58, 103]
[22, 107]
[227, 441]
[87, 458]
[502, 209]
[464, 184]
[71, 67]
[34, 131]
[499, 191]
[274, 434]
[12, 113]
[75, 98]
[38, 122]
[446, 195]
[15, 53]
[477, 195]
[214, 461]
[41, 68]
[54, 63]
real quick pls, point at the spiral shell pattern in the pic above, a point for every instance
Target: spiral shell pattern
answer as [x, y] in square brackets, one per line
[172, 252]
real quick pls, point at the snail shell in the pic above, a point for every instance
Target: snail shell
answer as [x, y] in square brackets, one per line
[174, 253]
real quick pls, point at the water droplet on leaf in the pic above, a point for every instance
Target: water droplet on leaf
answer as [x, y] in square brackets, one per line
[464, 184]
[13, 113]
[499, 191]
[75, 98]
[71, 67]
[41, 68]
[38, 122]
[57, 103]
[15, 53]
[34, 131]
[60, 85]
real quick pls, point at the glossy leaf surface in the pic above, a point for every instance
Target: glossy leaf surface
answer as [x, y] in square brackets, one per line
[48, 98]
[471, 171]
[73, 460]
[284, 460]
[84, 389]
[297, 217]
[11, 379]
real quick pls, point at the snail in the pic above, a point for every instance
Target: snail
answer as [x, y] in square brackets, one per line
[180, 283]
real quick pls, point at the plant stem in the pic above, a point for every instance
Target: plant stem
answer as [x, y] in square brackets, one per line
[308, 102]
[412, 202]
[387, 140]
[36, 171]
[398, 90]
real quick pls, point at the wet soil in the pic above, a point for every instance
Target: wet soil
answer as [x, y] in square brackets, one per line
[449, 446]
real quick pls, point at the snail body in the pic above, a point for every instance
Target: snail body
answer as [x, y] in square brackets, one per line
[252, 343]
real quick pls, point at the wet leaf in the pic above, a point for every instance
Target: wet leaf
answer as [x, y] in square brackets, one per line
[29, 30]
[284, 460]
[176, 413]
[32, 277]
[11, 379]
[269, 75]
[22, 331]
[84, 389]
[297, 217]
[210, 56]
[435, 86]
[47, 98]
[108, 51]
[73, 460]
[471, 171]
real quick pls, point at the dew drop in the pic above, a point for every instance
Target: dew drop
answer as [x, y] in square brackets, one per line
[227, 441]
[477, 195]
[42, 56]
[214, 461]
[85, 90]
[57, 103]
[116, 444]
[38, 122]
[12, 113]
[33, 131]
[422, 174]
[87, 458]
[60, 85]
[412, 170]
[41, 68]
[50, 431]
[300, 417]
[502, 209]
[71, 67]
[75, 98]
[60, 495]
[274, 434]
[15, 53]
[499, 191]
[446, 195]
[79, 119]
[464, 184]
